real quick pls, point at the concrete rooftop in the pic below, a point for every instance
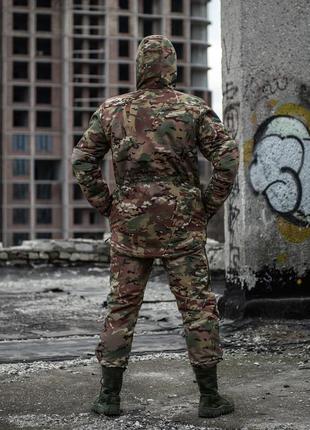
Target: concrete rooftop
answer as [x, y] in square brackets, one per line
[50, 320]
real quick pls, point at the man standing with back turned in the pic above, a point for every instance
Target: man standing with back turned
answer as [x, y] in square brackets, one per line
[158, 209]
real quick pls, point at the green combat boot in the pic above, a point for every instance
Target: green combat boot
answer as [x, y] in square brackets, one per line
[108, 401]
[211, 404]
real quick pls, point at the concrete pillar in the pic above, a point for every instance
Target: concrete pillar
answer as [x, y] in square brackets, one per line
[266, 98]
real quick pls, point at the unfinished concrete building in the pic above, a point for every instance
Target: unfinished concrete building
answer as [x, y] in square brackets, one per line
[59, 60]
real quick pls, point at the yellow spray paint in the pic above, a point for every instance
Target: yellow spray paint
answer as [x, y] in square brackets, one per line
[289, 231]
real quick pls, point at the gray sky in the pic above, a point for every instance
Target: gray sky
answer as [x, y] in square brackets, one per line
[215, 55]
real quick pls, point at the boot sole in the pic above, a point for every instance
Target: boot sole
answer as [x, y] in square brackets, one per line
[216, 412]
[102, 411]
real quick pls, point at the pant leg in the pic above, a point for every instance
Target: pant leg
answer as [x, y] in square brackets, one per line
[189, 280]
[128, 278]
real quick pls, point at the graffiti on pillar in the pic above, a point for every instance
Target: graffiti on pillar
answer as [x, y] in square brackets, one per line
[280, 167]
[260, 87]
[228, 53]
[233, 215]
[304, 94]
[231, 111]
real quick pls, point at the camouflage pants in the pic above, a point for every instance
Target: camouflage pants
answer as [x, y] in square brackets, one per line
[189, 280]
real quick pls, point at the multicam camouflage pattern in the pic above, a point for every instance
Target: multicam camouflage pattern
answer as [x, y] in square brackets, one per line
[158, 208]
[85, 158]
[189, 281]
[156, 63]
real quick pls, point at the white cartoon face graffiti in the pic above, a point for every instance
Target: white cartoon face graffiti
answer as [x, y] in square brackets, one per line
[280, 169]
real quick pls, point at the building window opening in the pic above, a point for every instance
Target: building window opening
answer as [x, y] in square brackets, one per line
[95, 97]
[44, 143]
[20, 45]
[78, 20]
[43, 191]
[180, 74]
[20, 2]
[93, 4]
[93, 217]
[177, 27]
[20, 191]
[44, 119]
[77, 192]
[44, 22]
[20, 21]
[78, 96]
[123, 72]
[148, 6]
[176, 5]
[179, 49]
[123, 90]
[20, 118]
[77, 119]
[20, 70]
[148, 27]
[46, 170]
[78, 26]
[123, 24]
[77, 47]
[44, 3]
[44, 47]
[44, 71]
[21, 167]
[94, 73]
[43, 95]
[78, 216]
[94, 25]
[199, 93]
[75, 139]
[78, 72]
[20, 143]
[20, 94]
[20, 216]
[44, 216]
[94, 49]
[18, 238]
[123, 4]
[123, 48]
[44, 235]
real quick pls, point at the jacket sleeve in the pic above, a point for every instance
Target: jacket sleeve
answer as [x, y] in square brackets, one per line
[86, 158]
[222, 151]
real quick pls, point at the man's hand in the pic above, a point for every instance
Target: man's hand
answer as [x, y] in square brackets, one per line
[222, 151]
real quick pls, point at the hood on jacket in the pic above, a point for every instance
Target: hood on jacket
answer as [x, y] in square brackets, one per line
[156, 63]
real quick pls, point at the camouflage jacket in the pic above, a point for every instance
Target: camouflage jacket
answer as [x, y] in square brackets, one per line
[159, 206]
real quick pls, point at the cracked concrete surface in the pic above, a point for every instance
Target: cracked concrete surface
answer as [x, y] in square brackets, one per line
[58, 313]
[271, 392]
[49, 323]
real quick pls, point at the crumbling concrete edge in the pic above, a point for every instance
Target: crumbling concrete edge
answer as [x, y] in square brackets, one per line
[235, 307]
[86, 252]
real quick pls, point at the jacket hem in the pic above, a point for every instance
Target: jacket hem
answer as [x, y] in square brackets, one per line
[160, 253]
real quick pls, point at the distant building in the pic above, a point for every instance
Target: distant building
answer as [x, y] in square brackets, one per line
[59, 60]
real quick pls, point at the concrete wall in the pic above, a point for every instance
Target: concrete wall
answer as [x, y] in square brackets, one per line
[266, 97]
